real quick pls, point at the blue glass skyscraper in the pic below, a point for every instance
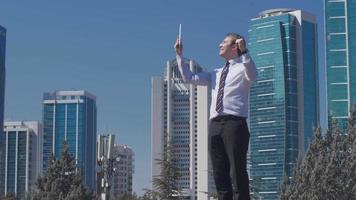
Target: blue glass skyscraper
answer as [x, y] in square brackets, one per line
[284, 99]
[2, 94]
[71, 116]
[340, 37]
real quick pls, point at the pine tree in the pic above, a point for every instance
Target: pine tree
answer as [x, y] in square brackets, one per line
[165, 184]
[61, 181]
[8, 197]
[127, 196]
[328, 170]
[147, 195]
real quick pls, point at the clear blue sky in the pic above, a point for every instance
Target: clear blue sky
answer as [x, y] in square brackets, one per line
[112, 49]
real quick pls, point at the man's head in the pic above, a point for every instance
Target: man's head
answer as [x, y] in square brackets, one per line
[228, 47]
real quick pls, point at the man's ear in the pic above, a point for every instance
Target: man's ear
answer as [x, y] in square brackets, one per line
[235, 46]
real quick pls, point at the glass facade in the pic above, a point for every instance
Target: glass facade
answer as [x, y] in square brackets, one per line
[17, 161]
[283, 100]
[71, 117]
[22, 152]
[310, 80]
[340, 30]
[48, 121]
[11, 162]
[2, 97]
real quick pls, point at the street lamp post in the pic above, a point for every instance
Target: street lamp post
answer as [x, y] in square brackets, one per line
[107, 162]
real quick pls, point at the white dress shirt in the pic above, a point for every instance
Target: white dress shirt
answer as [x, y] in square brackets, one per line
[242, 72]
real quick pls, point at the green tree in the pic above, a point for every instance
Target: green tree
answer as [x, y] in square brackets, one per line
[61, 181]
[127, 197]
[328, 170]
[147, 195]
[8, 197]
[165, 184]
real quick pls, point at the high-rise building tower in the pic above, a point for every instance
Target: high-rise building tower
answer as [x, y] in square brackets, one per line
[23, 142]
[284, 99]
[340, 38]
[71, 116]
[180, 119]
[2, 98]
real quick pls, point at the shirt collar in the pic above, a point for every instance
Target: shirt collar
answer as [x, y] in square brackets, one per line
[235, 60]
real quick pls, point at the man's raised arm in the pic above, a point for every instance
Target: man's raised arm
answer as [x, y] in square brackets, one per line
[201, 78]
[250, 67]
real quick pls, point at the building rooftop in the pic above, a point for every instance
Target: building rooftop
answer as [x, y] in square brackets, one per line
[60, 93]
[275, 12]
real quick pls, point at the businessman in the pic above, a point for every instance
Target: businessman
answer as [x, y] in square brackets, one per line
[228, 131]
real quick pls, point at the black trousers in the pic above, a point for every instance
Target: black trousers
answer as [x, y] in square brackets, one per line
[229, 138]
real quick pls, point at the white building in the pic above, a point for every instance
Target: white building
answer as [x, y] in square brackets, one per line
[23, 155]
[180, 115]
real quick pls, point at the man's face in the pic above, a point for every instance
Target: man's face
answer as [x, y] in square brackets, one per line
[228, 48]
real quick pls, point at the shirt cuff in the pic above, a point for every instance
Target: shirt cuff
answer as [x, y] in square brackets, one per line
[245, 58]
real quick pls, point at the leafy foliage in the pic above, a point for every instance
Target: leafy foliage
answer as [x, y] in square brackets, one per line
[61, 181]
[165, 184]
[328, 170]
[8, 197]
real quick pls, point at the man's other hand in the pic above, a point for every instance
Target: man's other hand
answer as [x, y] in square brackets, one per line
[241, 45]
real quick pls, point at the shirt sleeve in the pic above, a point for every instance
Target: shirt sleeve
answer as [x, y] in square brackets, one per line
[201, 78]
[250, 67]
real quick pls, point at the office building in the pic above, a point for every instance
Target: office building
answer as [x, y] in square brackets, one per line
[71, 116]
[2, 99]
[340, 39]
[122, 180]
[284, 99]
[179, 118]
[22, 156]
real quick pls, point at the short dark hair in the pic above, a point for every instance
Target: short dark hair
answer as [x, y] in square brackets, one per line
[235, 36]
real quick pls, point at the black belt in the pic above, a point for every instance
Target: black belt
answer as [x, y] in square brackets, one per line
[228, 117]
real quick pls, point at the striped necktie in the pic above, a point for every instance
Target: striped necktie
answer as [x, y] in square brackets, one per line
[219, 102]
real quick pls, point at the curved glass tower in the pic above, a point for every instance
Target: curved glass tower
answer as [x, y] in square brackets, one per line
[283, 100]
